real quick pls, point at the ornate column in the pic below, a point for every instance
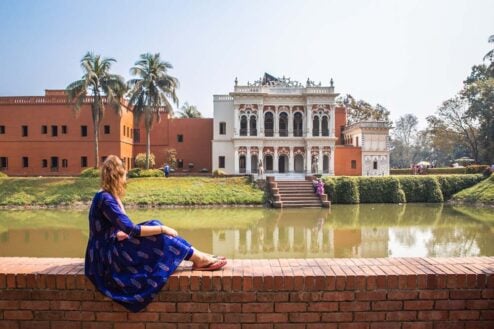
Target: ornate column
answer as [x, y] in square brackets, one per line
[291, 161]
[236, 123]
[260, 121]
[276, 167]
[320, 159]
[331, 162]
[290, 121]
[276, 122]
[248, 165]
[308, 158]
[236, 161]
[309, 121]
[332, 127]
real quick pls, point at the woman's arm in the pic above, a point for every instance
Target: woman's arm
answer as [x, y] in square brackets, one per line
[115, 214]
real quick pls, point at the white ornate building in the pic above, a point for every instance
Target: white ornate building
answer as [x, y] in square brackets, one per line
[289, 128]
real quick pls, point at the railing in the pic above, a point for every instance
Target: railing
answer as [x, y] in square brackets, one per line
[298, 132]
[42, 100]
[243, 131]
[268, 132]
[325, 132]
[283, 132]
[222, 98]
[283, 90]
[315, 132]
[253, 132]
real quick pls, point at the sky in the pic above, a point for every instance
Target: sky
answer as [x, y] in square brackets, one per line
[408, 56]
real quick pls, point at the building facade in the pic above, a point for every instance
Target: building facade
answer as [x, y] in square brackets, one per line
[288, 128]
[42, 136]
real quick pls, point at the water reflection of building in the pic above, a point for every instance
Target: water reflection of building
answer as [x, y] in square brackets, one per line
[43, 243]
[300, 242]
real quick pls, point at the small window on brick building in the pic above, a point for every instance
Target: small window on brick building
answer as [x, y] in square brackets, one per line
[83, 162]
[83, 131]
[137, 135]
[222, 128]
[180, 163]
[65, 163]
[354, 164]
[180, 138]
[4, 161]
[375, 165]
[24, 131]
[221, 162]
[2, 130]
[25, 162]
[107, 129]
[54, 131]
[64, 130]
[44, 163]
[44, 130]
[356, 141]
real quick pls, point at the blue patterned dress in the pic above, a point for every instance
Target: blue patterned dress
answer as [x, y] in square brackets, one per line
[131, 271]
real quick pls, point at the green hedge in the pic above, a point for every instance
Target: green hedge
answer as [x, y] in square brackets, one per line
[138, 173]
[90, 172]
[2, 175]
[397, 189]
[380, 190]
[473, 169]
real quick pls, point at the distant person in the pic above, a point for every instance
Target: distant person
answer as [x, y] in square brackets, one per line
[166, 169]
[128, 262]
[319, 187]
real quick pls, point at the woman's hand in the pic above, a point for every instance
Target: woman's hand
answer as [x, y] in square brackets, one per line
[169, 231]
[122, 236]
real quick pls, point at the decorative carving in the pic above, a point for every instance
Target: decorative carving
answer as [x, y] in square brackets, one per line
[268, 151]
[298, 150]
[326, 150]
[242, 150]
[269, 80]
[314, 151]
[254, 150]
[283, 151]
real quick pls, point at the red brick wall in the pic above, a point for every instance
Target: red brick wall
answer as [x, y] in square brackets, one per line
[196, 146]
[34, 112]
[340, 120]
[343, 160]
[413, 293]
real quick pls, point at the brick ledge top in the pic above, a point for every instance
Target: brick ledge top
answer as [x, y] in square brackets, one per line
[280, 267]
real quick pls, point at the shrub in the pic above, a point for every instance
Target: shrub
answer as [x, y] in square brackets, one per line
[90, 172]
[218, 173]
[476, 169]
[421, 188]
[330, 188]
[3, 175]
[452, 184]
[138, 172]
[380, 190]
[407, 171]
[140, 160]
[204, 170]
[346, 190]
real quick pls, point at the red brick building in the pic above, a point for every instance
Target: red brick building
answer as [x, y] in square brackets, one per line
[42, 136]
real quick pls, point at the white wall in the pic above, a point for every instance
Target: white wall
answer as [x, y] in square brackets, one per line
[222, 144]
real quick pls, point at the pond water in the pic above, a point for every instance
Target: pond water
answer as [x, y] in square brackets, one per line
[367, 230]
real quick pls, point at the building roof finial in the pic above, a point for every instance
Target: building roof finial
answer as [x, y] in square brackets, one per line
[236, 81]
[331, 82]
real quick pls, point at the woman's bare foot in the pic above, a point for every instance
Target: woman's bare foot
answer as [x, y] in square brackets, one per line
[206, 261]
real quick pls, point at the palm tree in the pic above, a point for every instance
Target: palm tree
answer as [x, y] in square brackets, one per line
[149, 92]
[104, 87]
[189, 111]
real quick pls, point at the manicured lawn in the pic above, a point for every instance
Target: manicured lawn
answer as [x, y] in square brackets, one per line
[482, 192]
[140, 191]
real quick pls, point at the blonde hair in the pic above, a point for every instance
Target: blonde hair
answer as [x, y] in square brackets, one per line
[113, 176]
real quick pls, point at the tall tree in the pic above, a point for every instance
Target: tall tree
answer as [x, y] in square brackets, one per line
[104, 87]
[150, 92]
[360, 110]
[189, 111]
[403, 141]
[453, 117]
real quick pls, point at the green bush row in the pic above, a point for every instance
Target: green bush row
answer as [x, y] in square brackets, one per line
[473, 169]
[397, 189]
[2, 175]
[138, 172]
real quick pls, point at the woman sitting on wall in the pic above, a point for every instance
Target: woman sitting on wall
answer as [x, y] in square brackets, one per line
[130, 262]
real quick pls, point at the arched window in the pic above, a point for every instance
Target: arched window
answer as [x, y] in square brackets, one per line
[283, 124]
[315, 126]
[297, 124]
[325, 126]
[268, 124]
[253, 125]
[241, 164]
[243, 125]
